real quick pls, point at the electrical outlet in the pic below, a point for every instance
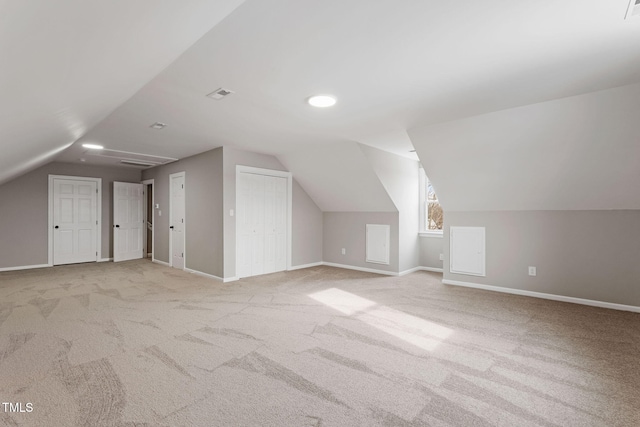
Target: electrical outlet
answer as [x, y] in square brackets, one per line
[532, 271]
[441, 257]
[344, 251]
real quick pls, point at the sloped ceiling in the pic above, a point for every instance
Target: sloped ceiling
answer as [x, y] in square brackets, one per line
[339, 183]
[394, 66]
[67, 64]
[577, 153]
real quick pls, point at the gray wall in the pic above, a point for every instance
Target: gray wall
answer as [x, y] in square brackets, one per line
[307, 228]
[401, 179]
[203, 203]
[348, 230]
[430, 250]
[306, 238]
[585, 254]
[25, 204]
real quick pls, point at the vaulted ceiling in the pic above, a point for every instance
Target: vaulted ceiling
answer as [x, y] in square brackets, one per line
[77, 71]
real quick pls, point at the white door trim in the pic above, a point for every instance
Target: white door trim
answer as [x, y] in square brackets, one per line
[98, 182]
[146, 184]
[269, 172]
[184, 227]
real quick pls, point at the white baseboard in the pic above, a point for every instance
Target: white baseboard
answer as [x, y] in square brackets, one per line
[25, 267]
[157, 261]
[409, 271]
[105, 260]
[299, 267]
[200, 273]
[432, 269]
[543, 295]
[230, 279]
[372, 270]
[366, 270]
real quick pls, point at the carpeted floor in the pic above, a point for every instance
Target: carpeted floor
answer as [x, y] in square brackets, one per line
[137, 344]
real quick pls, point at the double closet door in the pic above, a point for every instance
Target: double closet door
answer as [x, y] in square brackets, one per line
[262, 224]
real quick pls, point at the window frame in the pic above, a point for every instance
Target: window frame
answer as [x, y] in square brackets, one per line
[424, 179]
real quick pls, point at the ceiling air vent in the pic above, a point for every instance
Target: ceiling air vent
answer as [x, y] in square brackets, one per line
[158, 125]
[634, 9]
[137, 163]
[128, 158]
[218, 94]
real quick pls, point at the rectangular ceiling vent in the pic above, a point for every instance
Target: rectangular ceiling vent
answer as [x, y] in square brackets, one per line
[218, 94]
[137, 163]
[634, 9]
[131, 159]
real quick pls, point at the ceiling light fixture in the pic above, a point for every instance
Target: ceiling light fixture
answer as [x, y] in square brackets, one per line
[158, 125]
[93, 146]
[322, 101]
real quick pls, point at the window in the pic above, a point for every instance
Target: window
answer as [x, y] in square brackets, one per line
[431, 215]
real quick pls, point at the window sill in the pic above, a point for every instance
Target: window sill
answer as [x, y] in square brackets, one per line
[436, 234]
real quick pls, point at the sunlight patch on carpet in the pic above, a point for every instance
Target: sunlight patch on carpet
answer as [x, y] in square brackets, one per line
[412, 329]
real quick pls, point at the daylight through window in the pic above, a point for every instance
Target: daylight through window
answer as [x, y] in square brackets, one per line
[430, 209]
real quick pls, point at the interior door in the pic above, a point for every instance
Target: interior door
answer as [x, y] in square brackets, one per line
[243, 223]
[128, 221]
[261, 222]
[75, 220]
[256, 220]
[176, 219]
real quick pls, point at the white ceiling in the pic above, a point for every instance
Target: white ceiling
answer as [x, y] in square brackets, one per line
[393, 64]
[67, 64]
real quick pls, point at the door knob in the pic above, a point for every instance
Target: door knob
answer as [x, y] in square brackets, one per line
[117, 226]
[56, 227]
[171, 227]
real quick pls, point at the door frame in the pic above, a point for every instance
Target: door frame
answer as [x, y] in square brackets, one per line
[98, 182]
[184, 227]
[268, 172]
[147, 183]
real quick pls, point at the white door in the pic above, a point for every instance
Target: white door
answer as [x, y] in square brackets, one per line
[176, 219]
[243, 223]
[262, 223]
[275, 223]
[75, 221]
[128, 221]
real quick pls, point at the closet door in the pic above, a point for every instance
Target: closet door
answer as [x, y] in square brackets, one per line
[262, 222]
[243, 225]
[256, 221]
[280, 224]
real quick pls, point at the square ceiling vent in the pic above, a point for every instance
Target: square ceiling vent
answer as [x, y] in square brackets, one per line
[634, 9]
[218, 94]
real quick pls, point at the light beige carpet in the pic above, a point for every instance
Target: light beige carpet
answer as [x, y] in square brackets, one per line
[137, 344]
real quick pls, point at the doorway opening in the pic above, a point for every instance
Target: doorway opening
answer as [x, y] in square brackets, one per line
[149, 204]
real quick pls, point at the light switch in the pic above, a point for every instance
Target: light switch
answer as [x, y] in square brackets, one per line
[231, 212]
[159, 213]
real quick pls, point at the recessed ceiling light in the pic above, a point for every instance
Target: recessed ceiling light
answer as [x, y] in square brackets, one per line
[158, 125]
[93, 146]
[322, 101]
